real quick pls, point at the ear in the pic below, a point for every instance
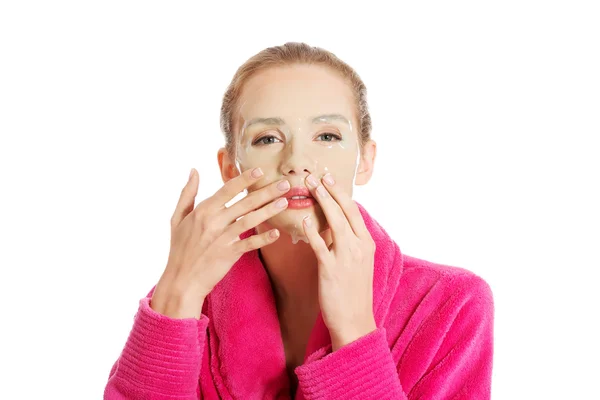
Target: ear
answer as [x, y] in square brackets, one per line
[366, 163]
[227, 166]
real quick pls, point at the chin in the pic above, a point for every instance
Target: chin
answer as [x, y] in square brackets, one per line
[290, 221]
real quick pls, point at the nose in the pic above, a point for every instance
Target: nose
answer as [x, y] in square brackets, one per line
[297, 163]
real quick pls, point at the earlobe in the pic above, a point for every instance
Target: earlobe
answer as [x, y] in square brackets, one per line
[363, 176]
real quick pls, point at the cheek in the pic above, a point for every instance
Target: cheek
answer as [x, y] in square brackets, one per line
[341, 165]
[345, 183]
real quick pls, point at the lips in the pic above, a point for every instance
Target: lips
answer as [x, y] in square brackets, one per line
[298, 191]
[299, 198]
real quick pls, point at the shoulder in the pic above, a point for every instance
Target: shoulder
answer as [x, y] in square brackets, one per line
[450, 279]
[432, 295]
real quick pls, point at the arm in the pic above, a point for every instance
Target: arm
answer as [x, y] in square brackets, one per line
[450, 356]
[161, 358]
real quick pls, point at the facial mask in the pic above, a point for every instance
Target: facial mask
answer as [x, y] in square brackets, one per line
[290, 134]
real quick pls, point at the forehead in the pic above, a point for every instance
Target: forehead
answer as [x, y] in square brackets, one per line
[296, 91]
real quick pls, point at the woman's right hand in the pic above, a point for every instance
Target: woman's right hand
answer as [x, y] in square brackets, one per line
[205, 240]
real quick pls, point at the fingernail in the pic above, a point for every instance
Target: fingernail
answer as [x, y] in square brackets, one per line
[283, 185]
[274, 233]
[321, 190]
[328, 179]
[191, 173]
[257, 173]
[312, 181]
[281, 202]
[308, 221]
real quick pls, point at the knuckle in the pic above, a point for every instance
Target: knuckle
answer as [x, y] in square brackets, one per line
[238, 248]
[259, 198]
[209, 226]
[262, 239]
[251, 244]
[199, 214]
[256, 241]
[252, 201]
[246, 221]
[207, 231]
[201, 223]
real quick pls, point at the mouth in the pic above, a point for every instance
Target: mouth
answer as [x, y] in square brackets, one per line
[298, 193]
[299, 197]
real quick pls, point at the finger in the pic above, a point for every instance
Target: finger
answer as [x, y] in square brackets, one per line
[348, 206]
[315, 240]
[234, 186]
[254, 218]
[334, 214]
[255, 241]
[255, 200]
[186, 200]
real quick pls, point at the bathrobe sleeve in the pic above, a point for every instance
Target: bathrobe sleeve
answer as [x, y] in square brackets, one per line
[161, 358]
[449, 356]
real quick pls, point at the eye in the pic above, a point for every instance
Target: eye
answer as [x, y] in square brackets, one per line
[262, 142]
[330, 135]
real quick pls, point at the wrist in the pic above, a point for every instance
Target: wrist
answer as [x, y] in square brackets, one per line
[177, 305]
[351, 334]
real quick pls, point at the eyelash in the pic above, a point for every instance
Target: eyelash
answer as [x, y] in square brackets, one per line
[258, 141]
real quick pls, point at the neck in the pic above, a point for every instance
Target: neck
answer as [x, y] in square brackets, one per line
[292, 269]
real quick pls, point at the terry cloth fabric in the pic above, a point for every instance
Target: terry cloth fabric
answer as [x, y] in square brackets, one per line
[434, 340]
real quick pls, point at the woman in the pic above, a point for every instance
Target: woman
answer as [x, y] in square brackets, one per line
[295, 291]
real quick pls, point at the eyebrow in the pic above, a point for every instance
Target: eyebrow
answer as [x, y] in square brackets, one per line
[266, 121]
[329, 118]
[318, 119]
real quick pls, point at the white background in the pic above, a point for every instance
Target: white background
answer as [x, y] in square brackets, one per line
[486, 116]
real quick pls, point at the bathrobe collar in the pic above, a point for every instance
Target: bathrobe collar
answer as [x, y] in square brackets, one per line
[247, 353]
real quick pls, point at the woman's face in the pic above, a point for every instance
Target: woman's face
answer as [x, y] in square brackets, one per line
[294, 121]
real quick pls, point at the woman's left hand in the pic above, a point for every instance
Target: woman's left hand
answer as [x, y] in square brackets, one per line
[346, 267]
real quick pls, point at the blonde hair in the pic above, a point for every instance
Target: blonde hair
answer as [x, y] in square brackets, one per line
[292, 53]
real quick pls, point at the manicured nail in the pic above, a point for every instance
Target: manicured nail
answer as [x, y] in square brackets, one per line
[322, 191]
[283, 185]
[329, 179]
[191, 173]
[312, 181]
[274, 233]
[257, 173]
[281, 202]
[308, 221]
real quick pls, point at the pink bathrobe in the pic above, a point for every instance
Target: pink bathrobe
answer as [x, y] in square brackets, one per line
[434, 340]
